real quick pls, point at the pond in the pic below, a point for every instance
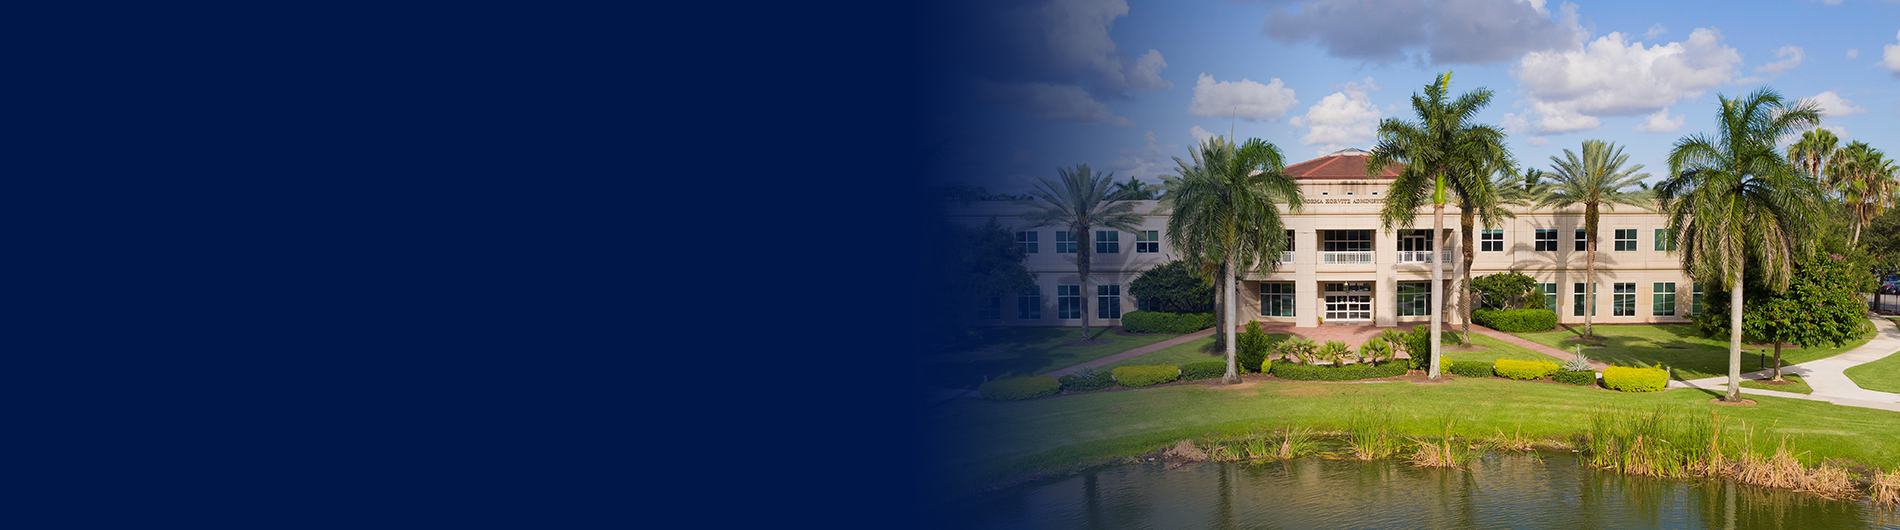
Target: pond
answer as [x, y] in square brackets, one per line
[1497, 490]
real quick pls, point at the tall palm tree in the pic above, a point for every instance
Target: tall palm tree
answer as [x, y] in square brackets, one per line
[1483, 204]
[1225, 210]
[1598, 181]
[1081, 201]
[1865, 179]
[1135, 190]
[1732, 197]
[1444, 154]
[1815, 152]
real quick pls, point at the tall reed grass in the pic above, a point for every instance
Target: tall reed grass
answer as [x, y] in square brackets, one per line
[1372, 429]
[1666, 443]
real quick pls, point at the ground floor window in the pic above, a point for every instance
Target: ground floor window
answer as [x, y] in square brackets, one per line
[1695, 300]
[1623, 300]
[990, 308]
[1415, 299]
[1349, 301]
[1276, 299]
[1108, 301]
[1663, 299]
[1069, 302]
[1550, 294]
[1029, 305]
[1577, 304]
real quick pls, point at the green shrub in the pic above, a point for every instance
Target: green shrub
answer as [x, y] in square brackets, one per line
[1630, 379]
[1300, 348]
[1019, 388]
[1266, 365]
[1515, 320]
[1251, 348]
[1085, 380]
[1524, 370]
[1204, 370]
[1156, 322]
[1139, 376]
[1335, 352]
[1582, 377]
[1350, 372]
[1469, 368]
[1375, 350]
[1418, 345]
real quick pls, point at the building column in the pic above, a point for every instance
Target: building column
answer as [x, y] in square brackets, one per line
[1385, 290]
[1306, 293]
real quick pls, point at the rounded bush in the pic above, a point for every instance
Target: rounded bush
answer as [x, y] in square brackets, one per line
[1515, 320]
[1204, 370]
[1630, 379]
[1140, 376]
[1524, 370]
[1156, 322]
[1020, 388]
[1469, 368]
[1584, 377]
[1266, 365]
[1072, 383]
[1350, 372]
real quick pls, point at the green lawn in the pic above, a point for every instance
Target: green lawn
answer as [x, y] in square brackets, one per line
[1882, 375]
[972, 443]
[1025, 351]
[1799, 386]
[1495, 349]
[1189, 352]
[1679, 346]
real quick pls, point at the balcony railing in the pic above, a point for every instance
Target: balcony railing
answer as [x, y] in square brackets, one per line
[1345, 258]
[1422, 256]
[1286, 257]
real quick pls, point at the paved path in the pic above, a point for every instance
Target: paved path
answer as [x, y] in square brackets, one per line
[1133, 353]
[1825, 375]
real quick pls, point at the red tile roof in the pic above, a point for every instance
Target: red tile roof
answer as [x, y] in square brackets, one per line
[1342, 164]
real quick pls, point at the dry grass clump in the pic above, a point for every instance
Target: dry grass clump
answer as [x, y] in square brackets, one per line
[1185, 451]
[1885, 490]
[1443, 453]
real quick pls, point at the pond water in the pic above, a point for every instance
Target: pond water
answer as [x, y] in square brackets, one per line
[1507, 490]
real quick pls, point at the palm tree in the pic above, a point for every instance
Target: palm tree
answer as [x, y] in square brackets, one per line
[1732, 197]
[1864, 177]
[1484, 203]
[1597, 181]
[1817, 151]
[1226, 210]
[1443, 155]
[1082, 201]
[1135, 190]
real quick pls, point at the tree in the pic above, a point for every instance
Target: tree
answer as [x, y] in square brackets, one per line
[1443, 155]
[1731, 199]
[1597, 181]
[1081, 201]
[1226, 211]
[970, 264]
[1816, 152]
[1484, 205]
[1821, 306]
[1508, 290]
[1173, 287]
[1135, 190]
[1865, 178]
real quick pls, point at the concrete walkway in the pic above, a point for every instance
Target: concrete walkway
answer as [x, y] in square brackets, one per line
[1825, 376]
[1133, 353]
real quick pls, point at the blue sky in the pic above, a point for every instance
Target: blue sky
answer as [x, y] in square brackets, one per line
[1019, 88]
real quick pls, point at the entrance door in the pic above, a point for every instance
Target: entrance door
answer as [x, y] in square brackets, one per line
[1349, 301]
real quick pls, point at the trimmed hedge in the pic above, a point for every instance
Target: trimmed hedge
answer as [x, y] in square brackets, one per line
[1020, 388]
[1156, 322]
[1629, 379]
[1524, 370]
[1516, 320]
[1139, 376]
[1350, 372]
[1204, 370]
[1072, 383]
[1585, 377]
[1468, 368]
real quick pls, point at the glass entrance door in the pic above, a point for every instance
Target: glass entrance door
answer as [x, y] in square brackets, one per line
[1349, 301]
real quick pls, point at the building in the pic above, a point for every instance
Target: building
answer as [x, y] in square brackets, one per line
[1345, 269]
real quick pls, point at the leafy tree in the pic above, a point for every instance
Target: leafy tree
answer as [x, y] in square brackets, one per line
[1443, 154]
[1731, 199]
[1226, 213]
[1081, 201]
[1507, 290]
[1821, 306]
[1173, 287]
[1597, 181]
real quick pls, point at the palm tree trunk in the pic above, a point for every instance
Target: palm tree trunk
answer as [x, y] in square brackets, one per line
[1464, 275]
[1590, 267]
[1735, 339]
[1082, 254]
[1227, 275]
[1220, 317]
[1438, 286]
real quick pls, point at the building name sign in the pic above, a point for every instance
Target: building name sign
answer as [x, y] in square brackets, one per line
[1345, 201]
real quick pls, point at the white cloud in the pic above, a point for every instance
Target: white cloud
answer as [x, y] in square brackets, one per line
[1839, 131]
[1538, 140]
[1832, 105]
[1852, 53]
[1661, 122]
[1792, 57]
[1145, 163]
[1052, 102]
[1200, 135]
[1243, 99]
[1892, 58]
[1146, 73]
[1346, 116]
[1568, 90]
[1655, 30]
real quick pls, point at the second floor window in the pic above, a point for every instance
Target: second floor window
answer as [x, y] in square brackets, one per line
[1065, 242]
[1348, 241]
[1546, 240]
[1583, 241]
[1491, 241]
[1108, 242]
[1147, 241]
[1028, 239]
[1664, 242]
[1625, 240]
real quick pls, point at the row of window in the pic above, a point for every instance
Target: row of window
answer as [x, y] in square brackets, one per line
[1415, 298]
[1106, 242]
[1108, 304]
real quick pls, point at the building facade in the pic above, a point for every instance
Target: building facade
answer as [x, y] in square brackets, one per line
[1344, 268]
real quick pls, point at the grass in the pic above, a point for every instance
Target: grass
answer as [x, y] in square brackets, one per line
[1799, 386]
[1882, 375]
[1026, 351]
[1679, 346]
[1188, 352]
[975, 443]
[1495, 349]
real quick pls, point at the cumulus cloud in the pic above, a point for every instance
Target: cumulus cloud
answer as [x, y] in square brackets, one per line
[1655, 30]
[1346, 116]
[1892, 58]
[1144, 163]
[1832, 105]
[1438, 31]
[1792, 57]
[1538, 140]
[1852, 53]
[1568, 90]
[1048, 43]
[1839, 131]
[1243, 99]
[1049, 102]
[1200, 135]
[1661, 122]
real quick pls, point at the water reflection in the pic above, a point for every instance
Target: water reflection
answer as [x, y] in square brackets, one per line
[1496, 491]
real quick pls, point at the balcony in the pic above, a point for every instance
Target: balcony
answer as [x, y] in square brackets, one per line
[1422, 256]
[1286, 257]
[1345, 258]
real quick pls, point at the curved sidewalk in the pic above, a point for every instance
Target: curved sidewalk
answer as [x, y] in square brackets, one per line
[1826, 376]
